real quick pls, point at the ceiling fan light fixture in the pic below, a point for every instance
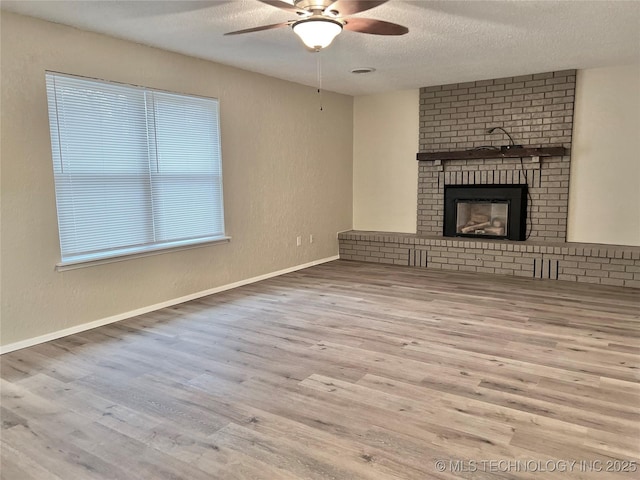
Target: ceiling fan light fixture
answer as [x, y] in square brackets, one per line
[317, 33]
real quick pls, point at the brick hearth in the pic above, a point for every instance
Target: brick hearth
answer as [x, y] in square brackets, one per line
[577, 262]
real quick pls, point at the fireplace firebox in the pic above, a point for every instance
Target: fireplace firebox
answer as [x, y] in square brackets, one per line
[486, 211]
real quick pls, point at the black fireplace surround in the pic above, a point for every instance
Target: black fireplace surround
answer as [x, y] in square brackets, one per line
[490, 211]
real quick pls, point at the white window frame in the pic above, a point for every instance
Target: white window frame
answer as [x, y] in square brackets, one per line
[145, 129]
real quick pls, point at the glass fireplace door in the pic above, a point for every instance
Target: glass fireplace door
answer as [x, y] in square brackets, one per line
[482, 218]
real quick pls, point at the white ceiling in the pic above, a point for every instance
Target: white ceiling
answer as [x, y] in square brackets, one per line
[448, 41]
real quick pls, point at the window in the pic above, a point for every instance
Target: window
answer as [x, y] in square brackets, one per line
[135, 169]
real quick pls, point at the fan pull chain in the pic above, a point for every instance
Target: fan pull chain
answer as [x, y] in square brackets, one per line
[319, 70]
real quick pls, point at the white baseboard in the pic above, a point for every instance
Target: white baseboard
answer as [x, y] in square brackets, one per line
[133, 313]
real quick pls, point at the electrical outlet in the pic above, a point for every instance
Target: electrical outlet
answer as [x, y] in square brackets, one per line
[298, 240]
[311, 238]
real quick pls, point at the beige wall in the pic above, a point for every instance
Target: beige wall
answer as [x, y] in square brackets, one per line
[281, 179]
[385, 170]
[604, 203]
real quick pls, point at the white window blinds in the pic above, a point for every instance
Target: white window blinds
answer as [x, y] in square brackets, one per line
[135, 169]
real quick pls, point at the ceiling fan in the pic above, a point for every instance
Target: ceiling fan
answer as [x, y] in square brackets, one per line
[320, 21]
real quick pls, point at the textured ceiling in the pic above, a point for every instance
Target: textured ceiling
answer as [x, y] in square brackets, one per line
[448, 41]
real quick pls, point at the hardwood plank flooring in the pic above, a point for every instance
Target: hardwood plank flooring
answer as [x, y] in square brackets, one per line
[341, 371]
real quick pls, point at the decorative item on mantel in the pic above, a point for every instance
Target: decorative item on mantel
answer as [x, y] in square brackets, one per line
[516, 152]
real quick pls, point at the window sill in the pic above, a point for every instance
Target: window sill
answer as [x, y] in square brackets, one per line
[75, 264]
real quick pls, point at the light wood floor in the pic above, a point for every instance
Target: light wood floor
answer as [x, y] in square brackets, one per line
[341, 371]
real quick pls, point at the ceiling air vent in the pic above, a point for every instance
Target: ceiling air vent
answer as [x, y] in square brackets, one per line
[363, 70]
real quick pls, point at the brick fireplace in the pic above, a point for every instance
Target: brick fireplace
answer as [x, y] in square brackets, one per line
[537, 111]
[486, 211]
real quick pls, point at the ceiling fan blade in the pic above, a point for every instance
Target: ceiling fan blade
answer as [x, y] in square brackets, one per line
[284, 6]
[263, 27]
[349, 7]
[374, 27]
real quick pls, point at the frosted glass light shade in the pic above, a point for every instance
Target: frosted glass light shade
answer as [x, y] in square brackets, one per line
[317, 33]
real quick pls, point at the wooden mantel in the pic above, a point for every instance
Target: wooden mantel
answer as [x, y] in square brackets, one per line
[520, 152]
